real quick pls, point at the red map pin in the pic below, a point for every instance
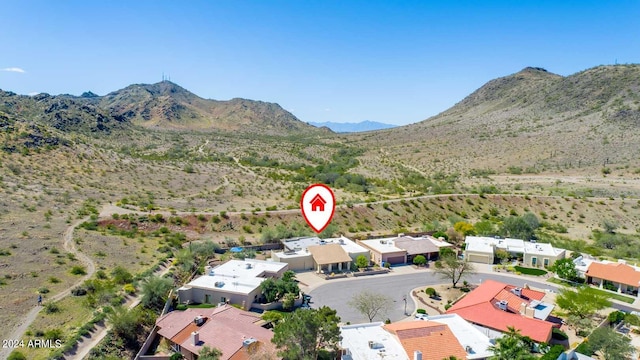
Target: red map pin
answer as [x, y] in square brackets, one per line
[318, 205]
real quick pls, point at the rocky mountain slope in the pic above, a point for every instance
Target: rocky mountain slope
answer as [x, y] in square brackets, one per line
[167, 105]
[529, 121]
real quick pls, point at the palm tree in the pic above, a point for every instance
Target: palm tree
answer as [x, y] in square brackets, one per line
[512, 346]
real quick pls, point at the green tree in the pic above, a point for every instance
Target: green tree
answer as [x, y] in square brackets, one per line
[553, 353]
[272, 316]
[362, 262]
[452, 268]
[582, 303]
[269, 290]
[516, 227]
[565, 269]
[531, 219]
[485, 228]
[502, 255]
[154, 292]
[303, 333]
[419, 260]
[121, 275]
[512, 346]
[329, 231]
[126, 324]
[446, 251]
[275, 289]
[288, 301]
[611, 345]
[464, 228]
[609, 226]
[371, 304]
[207, 353]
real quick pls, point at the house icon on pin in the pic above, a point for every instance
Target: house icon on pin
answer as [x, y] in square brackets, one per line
[317, 203]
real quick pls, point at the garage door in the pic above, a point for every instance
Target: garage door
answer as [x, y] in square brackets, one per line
[393, 260]
[478, 258]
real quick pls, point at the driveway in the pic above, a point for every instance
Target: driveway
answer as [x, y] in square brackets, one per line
[337, 293]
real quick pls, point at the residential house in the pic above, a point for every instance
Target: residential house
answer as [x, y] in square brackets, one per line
[482, 249]
[234, 282]
[434, 339]
[573, 355]
[403, 249]
[322, 255]
[618, 276]
[369, 341]
[494, 306]
[235, 332]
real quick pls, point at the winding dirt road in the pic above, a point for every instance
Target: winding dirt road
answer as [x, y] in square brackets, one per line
[70, 246]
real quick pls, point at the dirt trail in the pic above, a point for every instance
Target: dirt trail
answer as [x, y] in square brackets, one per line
[244, 167]
[69, 246]
[86, 345]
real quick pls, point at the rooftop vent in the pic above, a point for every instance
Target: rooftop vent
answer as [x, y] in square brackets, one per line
[249, 265]
[219, 284]
[502, 305]
[468, 349]
[195, 338]
[517, 291]
[198, 320]
[375, 345]
[248, 342]
[417, 355]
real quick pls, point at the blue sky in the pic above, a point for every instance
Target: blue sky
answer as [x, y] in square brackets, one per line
[346, 61]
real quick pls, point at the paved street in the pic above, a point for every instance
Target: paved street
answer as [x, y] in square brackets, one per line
[337, 293]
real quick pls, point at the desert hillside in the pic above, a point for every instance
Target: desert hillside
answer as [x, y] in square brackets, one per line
[531, 121]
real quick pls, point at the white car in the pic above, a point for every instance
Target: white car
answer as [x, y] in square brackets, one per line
[422, 317]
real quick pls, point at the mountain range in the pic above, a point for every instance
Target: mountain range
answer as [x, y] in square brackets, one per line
[162, 105]
[353, 127]
[532, 120]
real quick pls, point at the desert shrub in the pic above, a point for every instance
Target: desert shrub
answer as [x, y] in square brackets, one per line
[129, 289]
[78, 270]
[16, 355]
[51, 308]
[419, 260]
[79, 291]
[421, 311]
[431, 292]
[584, 349]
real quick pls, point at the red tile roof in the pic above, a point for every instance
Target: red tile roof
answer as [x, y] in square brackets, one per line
[479, 307]
[435, 340]
[225, 328]
[620, 273]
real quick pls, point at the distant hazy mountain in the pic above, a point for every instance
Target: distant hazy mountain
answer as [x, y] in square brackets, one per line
[353, 127]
